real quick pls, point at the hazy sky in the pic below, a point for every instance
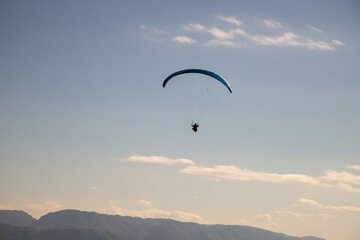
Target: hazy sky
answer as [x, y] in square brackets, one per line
[86, 124]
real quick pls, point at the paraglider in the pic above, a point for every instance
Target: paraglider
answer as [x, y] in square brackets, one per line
[194, 126]
[213, 75]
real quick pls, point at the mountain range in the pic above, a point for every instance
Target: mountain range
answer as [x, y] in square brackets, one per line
[80, 225]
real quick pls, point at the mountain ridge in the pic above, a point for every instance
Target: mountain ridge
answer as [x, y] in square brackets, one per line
[8, 232]
[17, 218]
[135, 228]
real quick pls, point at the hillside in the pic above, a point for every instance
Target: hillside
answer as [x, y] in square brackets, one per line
[16, 218]
[8, 232]
[133, 228]
[80, 225]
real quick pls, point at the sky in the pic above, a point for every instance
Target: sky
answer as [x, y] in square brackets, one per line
[86, 124]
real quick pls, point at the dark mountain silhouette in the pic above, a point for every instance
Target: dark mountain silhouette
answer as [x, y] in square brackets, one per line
[8, 232]
[79, 225]
[133, 228]
[16, 218]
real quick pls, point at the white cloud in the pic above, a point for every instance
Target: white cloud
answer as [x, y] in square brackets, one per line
[315, 29]
[157, 159]
[145, 203]
[95, 188]
[155, 213]
[317, 45]
[231, 20]
[217, 42]
[302, 216]
[331, 179]
[343, 208]
[221, 34]
[309, 202]
[339, 43]
[195, 27]
[348, 187]
[344, 177]
[151, 212]
[239, 174]
[289, 39]
[184, 39]
[271, 23]
[151, 33]
[151, 30]
[231, 37]
[353, 167]
[313, 203]
[343, 180]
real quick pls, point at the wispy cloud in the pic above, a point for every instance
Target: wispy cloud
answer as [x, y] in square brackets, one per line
[339, 43]
[231, 20]
[151, 30]
[95, 188]
[345, 177]
[288, 39]
[271, 23]
[184, 39]
[347, 187]
[218, 42]
[240, 174]
[314, 29]
[151, 33]
[157, 160]
[221, 34]
[194, 27]
[330, 179]
[145, 203]
[316, 204]
[353, 167]
[156, 213]
[236, 36]
[302, 216]
[151, 212]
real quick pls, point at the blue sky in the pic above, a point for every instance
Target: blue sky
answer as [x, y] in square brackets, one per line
[86, 124]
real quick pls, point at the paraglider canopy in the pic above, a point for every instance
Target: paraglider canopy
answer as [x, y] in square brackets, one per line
[201, 71]
[198, 101]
